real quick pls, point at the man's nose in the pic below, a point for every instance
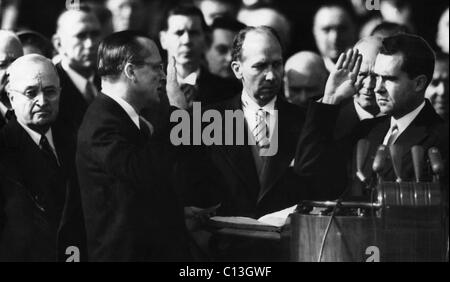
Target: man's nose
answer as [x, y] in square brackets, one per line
[371, 82]
[379, 86]
[126, 12]
[440, 89]
[185, 38]
[228, 57]
[270, 75]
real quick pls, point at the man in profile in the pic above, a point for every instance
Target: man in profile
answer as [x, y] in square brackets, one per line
[131, 210]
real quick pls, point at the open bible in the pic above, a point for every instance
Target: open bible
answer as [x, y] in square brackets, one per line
[272, 222]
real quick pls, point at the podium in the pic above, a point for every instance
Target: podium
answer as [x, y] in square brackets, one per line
[405, 222]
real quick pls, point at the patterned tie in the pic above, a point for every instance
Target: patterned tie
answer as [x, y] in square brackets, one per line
[48, 151]
[393, 135]
[261, 131]
[9, 115]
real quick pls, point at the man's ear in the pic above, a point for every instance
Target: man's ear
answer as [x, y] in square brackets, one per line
[56, 40]
[420, 83]
[237, 69]
[129, 72]
[162, 39]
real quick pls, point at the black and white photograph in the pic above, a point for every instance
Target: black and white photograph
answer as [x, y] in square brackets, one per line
[223, 137]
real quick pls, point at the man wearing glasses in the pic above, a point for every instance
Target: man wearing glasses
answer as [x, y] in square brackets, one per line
[37, 169]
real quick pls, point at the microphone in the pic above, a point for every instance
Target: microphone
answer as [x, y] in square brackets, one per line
[418, 158]
[362, 150]
[379, 162]
[437, 165]
[396, 156]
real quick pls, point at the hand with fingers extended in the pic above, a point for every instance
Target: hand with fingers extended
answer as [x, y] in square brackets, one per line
[174, 93]
[342, 82]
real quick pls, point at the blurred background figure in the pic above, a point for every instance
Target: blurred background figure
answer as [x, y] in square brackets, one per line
[128, 14]
[103, 14]
[76, 41]
[334, 31]
[397, 11]
[35, 43]
[387, 29]
[213, 9]
[269, 16]
[218, 54]
[438, 90]
[443, 33]
[305, 78]
[10, 50]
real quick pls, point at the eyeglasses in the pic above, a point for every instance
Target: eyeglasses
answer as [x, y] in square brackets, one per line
[31, 94]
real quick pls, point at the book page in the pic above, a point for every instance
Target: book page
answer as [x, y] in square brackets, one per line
[278, 218]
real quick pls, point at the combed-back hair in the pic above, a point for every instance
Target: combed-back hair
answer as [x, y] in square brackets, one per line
[418, 56]
[118, 49]
[236, 53]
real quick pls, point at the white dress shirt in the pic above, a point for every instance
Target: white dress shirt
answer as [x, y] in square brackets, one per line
[78, 80]
[36, 137]
[250, 109]
[403, 122]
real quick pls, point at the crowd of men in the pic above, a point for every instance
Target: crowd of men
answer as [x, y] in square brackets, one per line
[87, 160]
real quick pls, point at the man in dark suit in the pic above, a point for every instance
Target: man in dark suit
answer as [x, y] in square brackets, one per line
[403, 69]
[37, 170]
[10, 49]
[184, 37]
[131, 211]
[76, 40]
[255, 177]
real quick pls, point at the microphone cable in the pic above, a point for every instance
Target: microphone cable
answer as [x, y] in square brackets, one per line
[332, 216]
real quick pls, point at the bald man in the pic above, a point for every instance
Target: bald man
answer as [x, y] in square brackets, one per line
[10, 50]
[363, 105]
[305, 76]
[37, 169]
[270, 17]
[76, 40]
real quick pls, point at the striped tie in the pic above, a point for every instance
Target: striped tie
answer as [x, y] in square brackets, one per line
[261, 131]
[393, 136]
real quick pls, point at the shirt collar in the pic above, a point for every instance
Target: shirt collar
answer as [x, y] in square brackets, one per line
[405, 121]
[252, 106]
[362, 113]
[190, 79]
[36, 137]
[77, 79]
[131, 112]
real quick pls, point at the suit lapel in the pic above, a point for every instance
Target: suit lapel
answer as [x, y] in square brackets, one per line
[240, 157]
[280, 162]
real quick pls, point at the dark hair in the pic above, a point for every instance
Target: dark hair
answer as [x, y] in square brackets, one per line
[418, 57]
[228, 24]
[187, 10]
[118, 49]
[386, 29]
[344, 5]
[35, 39]
[236, 53]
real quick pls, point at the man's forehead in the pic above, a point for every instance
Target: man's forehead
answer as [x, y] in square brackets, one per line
[79, 21]
[176, 22]
[331, 16]
[34, 77]
[388, 64]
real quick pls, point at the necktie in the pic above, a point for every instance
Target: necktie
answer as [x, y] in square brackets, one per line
[393, 135]
[9, 115]
[261, 131]
[190, 92]
[90, 92]
[48, 151]
[145, 127]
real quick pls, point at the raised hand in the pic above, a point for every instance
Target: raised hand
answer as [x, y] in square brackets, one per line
[342, 82]
[174, 93]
